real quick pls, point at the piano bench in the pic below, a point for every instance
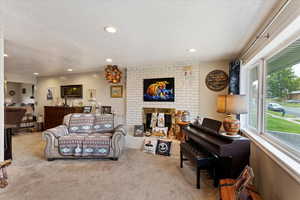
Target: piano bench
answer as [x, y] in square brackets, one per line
[202, 160]
[227, 190]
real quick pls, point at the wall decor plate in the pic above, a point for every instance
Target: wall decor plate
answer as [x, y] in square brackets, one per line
[216, 80]
[113, 74]
[12, 93]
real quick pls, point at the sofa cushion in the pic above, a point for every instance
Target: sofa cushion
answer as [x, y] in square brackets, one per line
[109, 134]
[81, 123]
[103, 123]
[71, 145]
[96, 145]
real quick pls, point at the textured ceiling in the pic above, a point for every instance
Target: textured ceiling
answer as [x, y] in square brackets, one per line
[49, 36]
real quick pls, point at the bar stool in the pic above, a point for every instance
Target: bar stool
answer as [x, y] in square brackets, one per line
[202, 161]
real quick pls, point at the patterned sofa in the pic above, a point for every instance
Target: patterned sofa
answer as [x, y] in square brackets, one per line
[85, 135]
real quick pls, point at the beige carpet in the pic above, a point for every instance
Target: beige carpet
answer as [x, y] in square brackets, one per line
[136, 176]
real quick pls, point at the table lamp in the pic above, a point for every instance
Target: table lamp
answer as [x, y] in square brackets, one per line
[231, 105]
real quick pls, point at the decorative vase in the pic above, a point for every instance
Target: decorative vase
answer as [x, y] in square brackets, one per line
[231, 125]
[185, 116]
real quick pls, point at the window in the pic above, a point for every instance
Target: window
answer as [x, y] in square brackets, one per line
[282, 96]
[274, 98]
[253, 97]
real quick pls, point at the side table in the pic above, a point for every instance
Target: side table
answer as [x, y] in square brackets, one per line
[180, 135]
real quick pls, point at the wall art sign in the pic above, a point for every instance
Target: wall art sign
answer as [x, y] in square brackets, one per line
[216, 80]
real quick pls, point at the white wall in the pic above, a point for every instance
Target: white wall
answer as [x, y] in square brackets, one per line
[1, 97]
[19, 97]
[28, 94]
[271, 180]
[20, 78]
[92, 80]
[16, 87]
[191, 92]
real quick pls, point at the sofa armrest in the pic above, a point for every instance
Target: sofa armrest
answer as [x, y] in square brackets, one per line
[58, 131]
[118, 141]
[120, 129]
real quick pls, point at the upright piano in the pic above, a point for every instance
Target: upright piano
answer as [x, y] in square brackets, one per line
[231, 153]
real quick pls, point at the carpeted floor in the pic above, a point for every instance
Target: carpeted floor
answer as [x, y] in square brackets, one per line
[136, 176]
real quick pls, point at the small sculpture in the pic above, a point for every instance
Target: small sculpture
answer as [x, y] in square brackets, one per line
[3, 173]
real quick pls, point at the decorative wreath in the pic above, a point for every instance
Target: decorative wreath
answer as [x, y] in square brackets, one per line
[113, 74]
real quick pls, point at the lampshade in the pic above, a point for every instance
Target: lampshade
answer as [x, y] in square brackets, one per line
[232, 104]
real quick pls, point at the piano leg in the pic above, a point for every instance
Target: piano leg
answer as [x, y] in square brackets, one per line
[198, 177]
[181, 159]
[216, 180]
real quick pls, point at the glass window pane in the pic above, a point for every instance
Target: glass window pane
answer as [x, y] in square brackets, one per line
[282, 100]
[253, 97]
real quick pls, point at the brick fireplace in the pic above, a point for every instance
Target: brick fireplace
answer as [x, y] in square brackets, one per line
[169, 115]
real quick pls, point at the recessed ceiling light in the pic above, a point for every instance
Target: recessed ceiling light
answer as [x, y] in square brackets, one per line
[192, 50]
[110, 29]
[5, 55]
[35, 73]
[69, 70]
[108, 60]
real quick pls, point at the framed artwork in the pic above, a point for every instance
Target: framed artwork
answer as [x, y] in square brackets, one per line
[159, 89]
[50, 92]
[116, 91]
[216, 80]
[91, 94]
[163, 147]
[138, 131]
[87, 109]
[106, 109]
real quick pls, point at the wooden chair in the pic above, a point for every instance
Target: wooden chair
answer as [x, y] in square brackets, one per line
[227, 190]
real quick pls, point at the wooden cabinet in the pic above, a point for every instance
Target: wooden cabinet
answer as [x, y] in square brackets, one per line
[54, 115]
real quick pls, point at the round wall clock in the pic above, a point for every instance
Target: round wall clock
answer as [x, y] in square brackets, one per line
[11, 92]
[216, 80]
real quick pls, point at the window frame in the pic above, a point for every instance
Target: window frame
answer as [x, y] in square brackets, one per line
[279, 154]
[248, 72]
[262, 85]
[276, 142]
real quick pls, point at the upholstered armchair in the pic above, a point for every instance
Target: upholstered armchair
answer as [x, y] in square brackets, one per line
[85, 135]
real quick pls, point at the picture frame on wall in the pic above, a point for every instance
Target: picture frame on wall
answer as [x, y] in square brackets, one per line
[50, 93]
[91, 94]
[116, 91]
[159, 89]
[138, 131]
[87, 109]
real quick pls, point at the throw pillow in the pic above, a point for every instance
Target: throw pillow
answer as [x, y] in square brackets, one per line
[150, 145]
[163, 147]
